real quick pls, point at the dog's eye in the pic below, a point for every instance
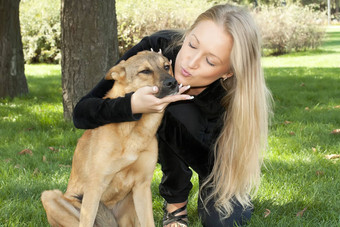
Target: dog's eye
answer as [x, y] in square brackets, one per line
[167, 67]
[146, 71]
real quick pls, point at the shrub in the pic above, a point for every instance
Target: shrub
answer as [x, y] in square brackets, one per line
[40, 23]
[283, 28]
[289, 28]
[40, 30]
[137, 19]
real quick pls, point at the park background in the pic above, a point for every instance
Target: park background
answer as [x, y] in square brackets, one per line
[301, 177]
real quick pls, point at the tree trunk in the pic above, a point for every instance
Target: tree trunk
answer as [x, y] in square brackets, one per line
[12, 70]
[89, 46]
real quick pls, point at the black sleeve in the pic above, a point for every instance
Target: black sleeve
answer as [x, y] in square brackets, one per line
[93, 111]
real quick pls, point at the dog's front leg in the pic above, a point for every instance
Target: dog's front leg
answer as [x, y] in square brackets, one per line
[89, 207]
[142, 199]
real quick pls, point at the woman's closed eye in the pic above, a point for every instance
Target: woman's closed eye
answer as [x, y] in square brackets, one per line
[209, 62]
[192, 46]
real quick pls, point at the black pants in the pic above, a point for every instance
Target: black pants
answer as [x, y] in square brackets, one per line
[175, 187]
[211, 218]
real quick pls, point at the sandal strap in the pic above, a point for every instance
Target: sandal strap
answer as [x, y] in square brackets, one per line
[177, 219]
[179, 210]
[171, 217]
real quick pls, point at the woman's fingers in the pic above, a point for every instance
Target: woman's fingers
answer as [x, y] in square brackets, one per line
[175, 98]
[144, 101]
[179, 96]
[183, 89]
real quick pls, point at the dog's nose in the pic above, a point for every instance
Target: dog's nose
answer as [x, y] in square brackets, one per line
[170, 82]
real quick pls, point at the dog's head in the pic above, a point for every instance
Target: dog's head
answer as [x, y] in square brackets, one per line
[147, 68]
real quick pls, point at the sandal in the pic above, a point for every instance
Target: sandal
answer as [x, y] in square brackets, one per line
[169, 218]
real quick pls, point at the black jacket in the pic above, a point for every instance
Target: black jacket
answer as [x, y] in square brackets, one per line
[189, 126]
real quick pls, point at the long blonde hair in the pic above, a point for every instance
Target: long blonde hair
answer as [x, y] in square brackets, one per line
[237, 151]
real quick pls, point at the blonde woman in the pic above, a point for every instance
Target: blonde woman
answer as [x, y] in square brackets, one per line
[217, 124]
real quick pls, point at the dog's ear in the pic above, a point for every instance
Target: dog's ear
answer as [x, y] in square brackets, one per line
[116, 73]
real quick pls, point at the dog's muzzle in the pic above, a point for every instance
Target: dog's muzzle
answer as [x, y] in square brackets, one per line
[169, 87]
[170, 83]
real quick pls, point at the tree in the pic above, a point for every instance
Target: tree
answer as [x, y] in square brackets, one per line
[89, 46]
[12, 71]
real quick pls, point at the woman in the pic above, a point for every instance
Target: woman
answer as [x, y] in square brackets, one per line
[217, 124]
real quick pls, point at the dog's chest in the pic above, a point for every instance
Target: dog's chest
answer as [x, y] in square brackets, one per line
[120, 185]
[139, 172]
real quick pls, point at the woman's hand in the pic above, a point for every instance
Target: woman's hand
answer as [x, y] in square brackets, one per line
[144, 100]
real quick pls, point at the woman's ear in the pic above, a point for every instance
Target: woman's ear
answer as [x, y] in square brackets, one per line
[226, 76]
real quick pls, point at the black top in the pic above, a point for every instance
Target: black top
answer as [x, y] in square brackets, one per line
[192, 124]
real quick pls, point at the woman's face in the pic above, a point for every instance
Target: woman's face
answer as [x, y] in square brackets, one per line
[204, 57]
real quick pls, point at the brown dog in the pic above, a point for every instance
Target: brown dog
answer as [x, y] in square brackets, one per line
[113, 164]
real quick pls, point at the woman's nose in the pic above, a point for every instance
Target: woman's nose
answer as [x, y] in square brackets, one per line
[193, 61]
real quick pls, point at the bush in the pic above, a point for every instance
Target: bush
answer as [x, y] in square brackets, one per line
[283, 28]
[40, 23]
[137, 19]
[40, 30]
[289, 28]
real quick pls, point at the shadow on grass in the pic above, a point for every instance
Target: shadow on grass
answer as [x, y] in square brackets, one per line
[331, 43]
[315, 52]
[41, 108]
[45, 89]
[300, 184]
[300, 87]
[309, 99]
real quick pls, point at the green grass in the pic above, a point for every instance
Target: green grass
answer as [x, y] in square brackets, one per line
[296, 175]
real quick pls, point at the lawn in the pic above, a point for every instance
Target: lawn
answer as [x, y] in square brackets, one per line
[300, 184]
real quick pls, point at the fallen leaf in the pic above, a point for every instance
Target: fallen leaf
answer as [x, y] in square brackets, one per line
[302, 85]
[314, 149]
[26, 151]
[287, 122]
[337, 107]
[319, 173]
[44, 158]
[36, 171]
[300, 213]
[53, 149]
[266, 213]
[336, 131]
[307, 108]
[332, 156]
[292, 133]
